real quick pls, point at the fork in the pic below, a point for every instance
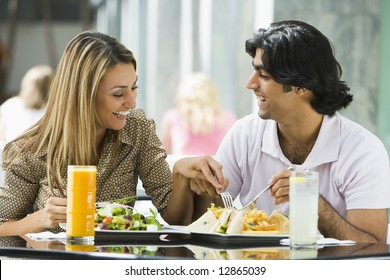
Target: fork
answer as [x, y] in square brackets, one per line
[227, 199]
[252, 204]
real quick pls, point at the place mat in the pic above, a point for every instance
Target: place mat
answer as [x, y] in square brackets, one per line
[324, 242]
[46, 235]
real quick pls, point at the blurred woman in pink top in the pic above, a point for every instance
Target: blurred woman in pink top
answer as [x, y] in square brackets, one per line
[197, 124]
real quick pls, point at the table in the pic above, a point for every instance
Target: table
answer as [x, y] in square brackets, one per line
[173, 246]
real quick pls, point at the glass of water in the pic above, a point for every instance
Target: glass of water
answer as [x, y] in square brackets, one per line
[303, 209]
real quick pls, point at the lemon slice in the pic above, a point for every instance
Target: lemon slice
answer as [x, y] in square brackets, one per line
[297, 179]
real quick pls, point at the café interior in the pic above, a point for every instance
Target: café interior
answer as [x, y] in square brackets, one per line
[196, 35]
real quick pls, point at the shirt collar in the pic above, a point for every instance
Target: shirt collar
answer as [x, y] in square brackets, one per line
[325, 150]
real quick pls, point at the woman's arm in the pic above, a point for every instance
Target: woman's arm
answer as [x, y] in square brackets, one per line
[187, 197]
[181, 202]
[48, 217]
[25, 190]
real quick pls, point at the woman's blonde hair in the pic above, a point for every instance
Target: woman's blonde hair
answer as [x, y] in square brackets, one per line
[35, 86]
[198, 102]
[67, 131]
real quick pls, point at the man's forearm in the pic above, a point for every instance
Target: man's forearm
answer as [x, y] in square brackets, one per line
[331, 224]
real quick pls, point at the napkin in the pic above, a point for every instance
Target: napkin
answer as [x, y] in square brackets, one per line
[46, 235]
[324, 241]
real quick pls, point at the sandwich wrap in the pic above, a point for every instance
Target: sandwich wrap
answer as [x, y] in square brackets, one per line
[231, 221]
[204, 223]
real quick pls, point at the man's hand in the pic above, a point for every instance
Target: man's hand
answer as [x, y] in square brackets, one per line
[201, 175]
[205, 174]
[280, 186]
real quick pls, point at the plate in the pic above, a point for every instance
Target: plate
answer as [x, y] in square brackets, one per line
[135, 234]
[218, 240]
[120, 235]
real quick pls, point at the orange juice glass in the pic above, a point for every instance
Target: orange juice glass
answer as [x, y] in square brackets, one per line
[80, 247]
[80, 210]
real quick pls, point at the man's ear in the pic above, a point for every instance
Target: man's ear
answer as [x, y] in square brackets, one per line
[304, 93]
[302, 90]
[295, 89]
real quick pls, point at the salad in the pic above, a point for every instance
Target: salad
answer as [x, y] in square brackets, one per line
[135, 250]
[115, 216]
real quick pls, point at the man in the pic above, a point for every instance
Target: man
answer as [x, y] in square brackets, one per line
[296, 81]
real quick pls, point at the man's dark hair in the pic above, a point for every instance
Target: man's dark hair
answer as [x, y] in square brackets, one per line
[296, 54]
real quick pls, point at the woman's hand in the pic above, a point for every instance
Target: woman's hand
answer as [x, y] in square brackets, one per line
[202, 187]
[195, 181]
[205, 174]
[54, 212]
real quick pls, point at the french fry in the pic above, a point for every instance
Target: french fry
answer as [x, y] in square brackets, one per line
[257, 220]
[216, 210]
[260, 227]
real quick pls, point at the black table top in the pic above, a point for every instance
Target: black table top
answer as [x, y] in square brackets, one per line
[180, 247]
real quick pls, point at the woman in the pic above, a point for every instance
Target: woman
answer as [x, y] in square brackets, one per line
[91, 120]
[28, 106]
[198, 123]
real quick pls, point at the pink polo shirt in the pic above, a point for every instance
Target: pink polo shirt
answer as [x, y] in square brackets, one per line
[188, 143]
[353, 163]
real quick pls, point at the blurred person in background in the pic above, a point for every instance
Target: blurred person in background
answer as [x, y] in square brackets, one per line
[92, 119]
[20, 112]
[198, 123]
